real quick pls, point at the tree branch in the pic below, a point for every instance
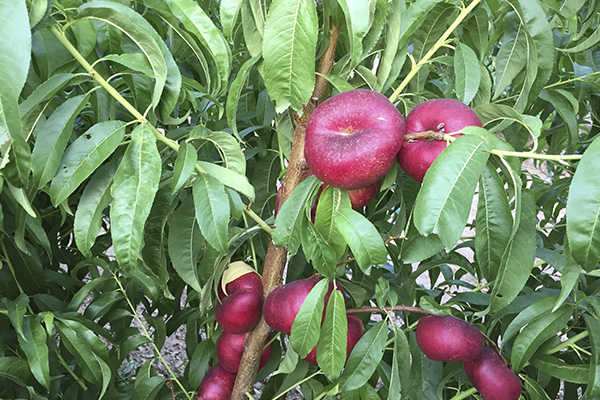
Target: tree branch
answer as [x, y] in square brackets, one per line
[276, 257]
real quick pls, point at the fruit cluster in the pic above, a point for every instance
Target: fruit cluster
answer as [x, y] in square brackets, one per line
[449, 339]
[353, 138]
[283, 304]
[237, 312]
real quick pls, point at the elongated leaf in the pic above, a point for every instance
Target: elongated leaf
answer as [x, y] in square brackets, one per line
[136, 62]
[88, 216]
[133, 190]
[392, 42]
[184, 165]
[84, 156]
[289, 47]
[52, 138]
[526, 316]
[33, 344]
[583, 210]
[536, 333]
[185, 243]
[331, 348]
[566, 108]
[444, 201]
[318, 250]
[15, 369]
[493, 223]
[518, 258]
[365, 357]
[362, 237]
[467, 72]
[513, 53]
[229, 11]
[137, 29]
[357, 15]
[201, 26]
[307, 324]
[593, 381]
[147, 385]
[569, 278]
[557, 368]
[399, 380]
[229, 178]
[330, 201]
[43, 92]
[289, 218]
[235, 90]
[229, 149]
[212, 211]
[90, 353]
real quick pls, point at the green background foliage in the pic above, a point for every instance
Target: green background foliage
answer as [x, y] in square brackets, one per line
[141, 143]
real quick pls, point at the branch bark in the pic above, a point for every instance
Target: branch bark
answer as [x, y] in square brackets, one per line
[276, 257]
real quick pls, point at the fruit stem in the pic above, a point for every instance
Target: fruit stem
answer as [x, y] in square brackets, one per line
[568, 342]
[529, 154]
[493, 344]
[465, 394]
[424, 135]
[440, 42]
[367, 309]
[136, 114]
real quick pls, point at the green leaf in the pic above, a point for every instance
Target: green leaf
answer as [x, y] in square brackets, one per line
[444, 201]
[307, 324]
[331, 347]
[365, 357]
[147, 385]
[467, 73]
[526, 316]
[362, 237]
[593, 381]
[289, 218]
[513, 54]
[135, 62]
[563, 103]
[559, 369]
[569, 278]
[229, 178]
[536, 333]
[90, 353]
[184, 165]
[228, 11]
[44, 92]
[534, 389]
[358, 21]
[229, 149]
[15, 369]
[84, 156]
[197, 22]
[52, 138]
[88, 216]
[33, 344]
[518, 258]
[138, 30]
[185, 243]
[290, 41]
[399, 380]
[491, 112]
[392, 45]
[133, 190]
[493, 223]
[330, 201]
[235, 91]
[318, 250]
[583, 210]
[212, 211]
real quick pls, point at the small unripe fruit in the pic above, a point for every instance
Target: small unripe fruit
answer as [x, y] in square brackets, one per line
[230, 347]
[356, 330]
[449, 339]
[217, 384]
[283, 303]
[362, 196]
[491, 377]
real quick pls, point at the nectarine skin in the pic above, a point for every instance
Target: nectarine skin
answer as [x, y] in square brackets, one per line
[356, 330]
[282, 305]
[230, 347]
[217, 384]
[352, 138]
[491, 377]
[362, 196]
[239, 312]
[449, 339]
[250, 281]
[437, 115]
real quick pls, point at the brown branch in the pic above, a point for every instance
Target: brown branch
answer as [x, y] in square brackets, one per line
[276, 257]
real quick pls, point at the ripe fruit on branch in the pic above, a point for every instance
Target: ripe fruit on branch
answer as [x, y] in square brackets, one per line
[491, 377]
[282, 304]
[217, 384]
[355, 331]
[352, 138]
[446, 338]
[230, 347]
[362, 196]
[240, 299]
[438, 115]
